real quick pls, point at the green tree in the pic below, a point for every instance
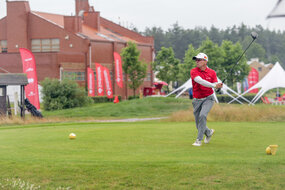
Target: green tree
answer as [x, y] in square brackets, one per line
[215, 35]
[255, 51]
[188, 64]
[178, 40]
[214, 53]
[159, 37]
[231, 53]
[135, 69]
[166, 65]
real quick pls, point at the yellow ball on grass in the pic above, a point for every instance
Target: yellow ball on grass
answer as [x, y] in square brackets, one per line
[268, 150]
[72, 136]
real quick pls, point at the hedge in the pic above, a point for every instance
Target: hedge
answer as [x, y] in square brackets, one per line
[226, 98]
[101, 99]
[133, 97]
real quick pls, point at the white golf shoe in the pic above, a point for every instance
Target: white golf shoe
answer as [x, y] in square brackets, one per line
[207, 139]
[197, 143]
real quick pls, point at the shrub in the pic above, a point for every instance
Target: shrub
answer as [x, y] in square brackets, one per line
[63, 94]
[133, 97]
[101, 99]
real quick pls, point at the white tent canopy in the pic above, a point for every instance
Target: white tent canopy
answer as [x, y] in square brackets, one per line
[278, 11]
[275, 78]
[225, 90]
[188, 84]
[183, 88]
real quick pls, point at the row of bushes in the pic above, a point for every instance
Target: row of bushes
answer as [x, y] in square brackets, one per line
[101, 99]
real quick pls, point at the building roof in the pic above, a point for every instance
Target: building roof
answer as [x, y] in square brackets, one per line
[105, 34]
[13, 79]
[256, 60]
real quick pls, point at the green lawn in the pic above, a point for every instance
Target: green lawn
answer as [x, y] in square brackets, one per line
[144, 155]
[146, 107]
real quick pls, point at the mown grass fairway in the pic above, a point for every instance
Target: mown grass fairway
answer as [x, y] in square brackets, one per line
[144, 155]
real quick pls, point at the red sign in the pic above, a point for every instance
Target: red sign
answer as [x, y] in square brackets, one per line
[100, 79]
[29, 67]
[108, 83]
[253, 79]
[118, 69]
[90, 82]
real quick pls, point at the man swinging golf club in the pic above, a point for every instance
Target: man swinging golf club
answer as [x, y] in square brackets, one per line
[203, 80]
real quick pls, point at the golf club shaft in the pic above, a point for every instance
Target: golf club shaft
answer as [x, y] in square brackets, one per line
[229, 73]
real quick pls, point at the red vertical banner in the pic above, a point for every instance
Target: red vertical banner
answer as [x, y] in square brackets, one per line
[90, 82]
[29, 67]
[118, 69]
[253, 79]
[100, 79]
[108, 83]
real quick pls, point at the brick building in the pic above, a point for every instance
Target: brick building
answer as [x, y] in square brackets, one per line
[261, 67]
[64, 46]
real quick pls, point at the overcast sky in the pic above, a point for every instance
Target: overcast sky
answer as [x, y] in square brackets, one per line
[164, 13]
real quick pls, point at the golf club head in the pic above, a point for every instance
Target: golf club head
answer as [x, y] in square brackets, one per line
[254, 35]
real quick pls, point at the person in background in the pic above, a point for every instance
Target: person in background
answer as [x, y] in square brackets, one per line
[191, 93]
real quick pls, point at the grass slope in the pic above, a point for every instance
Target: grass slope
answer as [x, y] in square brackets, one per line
[145, 155]
[147, 107]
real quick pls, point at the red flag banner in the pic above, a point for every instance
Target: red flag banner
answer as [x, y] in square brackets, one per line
[29, 67]
[108, 83]
[118, 69]
[90, 82]
[253, 79]
[100, 79]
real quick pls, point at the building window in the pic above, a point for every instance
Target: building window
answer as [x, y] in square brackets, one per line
[3, 46]
[259, 69]
[45, 45]
[77, 76]
[148, 76]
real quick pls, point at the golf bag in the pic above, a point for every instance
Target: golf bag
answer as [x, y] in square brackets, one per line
[32, 109]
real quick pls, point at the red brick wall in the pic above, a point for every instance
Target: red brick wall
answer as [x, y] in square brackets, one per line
[72, 24]
[17, 25]
[102, 52]
[46, 64]
[40, 28]
[3, 31]
[92, 19]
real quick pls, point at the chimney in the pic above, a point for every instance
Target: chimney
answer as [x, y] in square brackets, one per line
[73, 24]
[17, 25]
[92, 19]
[81, 6]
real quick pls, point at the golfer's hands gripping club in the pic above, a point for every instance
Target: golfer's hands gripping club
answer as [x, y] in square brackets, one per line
[219, 86]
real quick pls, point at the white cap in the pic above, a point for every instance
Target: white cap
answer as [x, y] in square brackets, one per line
[201, 56]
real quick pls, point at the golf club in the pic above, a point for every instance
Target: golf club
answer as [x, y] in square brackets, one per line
[254, 35]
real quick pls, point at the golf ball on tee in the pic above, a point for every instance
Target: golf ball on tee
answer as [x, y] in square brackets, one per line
[72, 136]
